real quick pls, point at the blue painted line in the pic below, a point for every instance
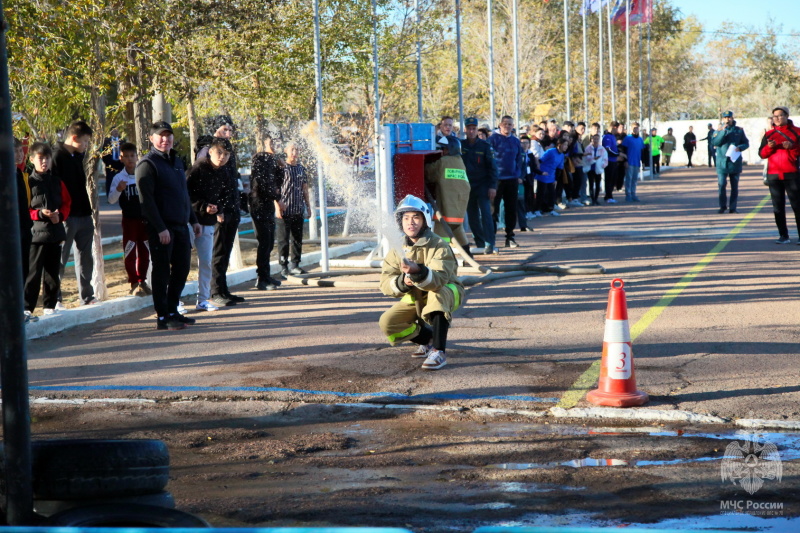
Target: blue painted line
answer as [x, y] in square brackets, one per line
[245, 232]
[393, 395]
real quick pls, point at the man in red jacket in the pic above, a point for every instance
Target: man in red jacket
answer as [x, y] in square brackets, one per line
[781, 148]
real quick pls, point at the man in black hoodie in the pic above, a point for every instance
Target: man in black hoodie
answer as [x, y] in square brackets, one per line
[161, 180]
[68, 165]
[265, 190]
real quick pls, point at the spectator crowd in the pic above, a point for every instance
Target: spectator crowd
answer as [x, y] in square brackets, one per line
[492, 180]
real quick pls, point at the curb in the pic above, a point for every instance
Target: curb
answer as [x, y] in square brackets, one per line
[47, 325]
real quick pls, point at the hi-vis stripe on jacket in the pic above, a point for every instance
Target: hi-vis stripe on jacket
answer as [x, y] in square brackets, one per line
[448, 176]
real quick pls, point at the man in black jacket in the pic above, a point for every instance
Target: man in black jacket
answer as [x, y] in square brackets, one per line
[689, 144]
[68, 165]
[265, 189]
[225, 231]
[161, 179]
[481, 165]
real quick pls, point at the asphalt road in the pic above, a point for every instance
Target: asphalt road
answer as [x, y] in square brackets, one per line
[723, 343]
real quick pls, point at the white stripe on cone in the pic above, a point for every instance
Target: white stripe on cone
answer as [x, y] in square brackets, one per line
[617, 331]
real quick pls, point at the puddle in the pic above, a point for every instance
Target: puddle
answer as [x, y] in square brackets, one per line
[532, 488]
[575, 463]
[735, 522]
[788, 443]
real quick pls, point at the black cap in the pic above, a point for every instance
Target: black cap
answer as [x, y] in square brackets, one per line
[160, 127]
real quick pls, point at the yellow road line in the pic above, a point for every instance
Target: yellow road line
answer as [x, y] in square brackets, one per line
[587, 380]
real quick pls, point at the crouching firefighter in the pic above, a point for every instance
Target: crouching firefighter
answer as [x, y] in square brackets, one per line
[425, 281]
[447, 177]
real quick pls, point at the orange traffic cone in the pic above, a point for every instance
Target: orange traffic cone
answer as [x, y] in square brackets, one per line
[617, 380]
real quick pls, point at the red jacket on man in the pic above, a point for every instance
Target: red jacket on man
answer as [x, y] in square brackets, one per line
[781, 161]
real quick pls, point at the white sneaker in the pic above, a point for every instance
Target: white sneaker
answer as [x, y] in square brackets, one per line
[60, 307]
[181, 309]
[436, 360]
[530, 215]
[206, 306]
[537, 214]
[575, 203]
[587, 203]
[421, 351]
[555, 214]
[48, 312]
[559, 206]
[30, 317]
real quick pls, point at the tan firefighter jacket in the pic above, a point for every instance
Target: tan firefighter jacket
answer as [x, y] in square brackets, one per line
[447, 178]
[441, 277]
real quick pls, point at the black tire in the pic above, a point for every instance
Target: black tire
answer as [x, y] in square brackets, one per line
[88, 469]
[131, 515]
[48, 508]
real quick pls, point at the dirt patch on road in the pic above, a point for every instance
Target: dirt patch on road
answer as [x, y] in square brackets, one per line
[261, 464]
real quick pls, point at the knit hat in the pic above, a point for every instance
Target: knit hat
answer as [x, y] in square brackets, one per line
[782, 108]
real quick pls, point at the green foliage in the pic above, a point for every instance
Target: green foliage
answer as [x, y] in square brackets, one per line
[254, 59]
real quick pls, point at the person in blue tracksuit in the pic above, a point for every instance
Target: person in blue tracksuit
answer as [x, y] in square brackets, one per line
[511, 168]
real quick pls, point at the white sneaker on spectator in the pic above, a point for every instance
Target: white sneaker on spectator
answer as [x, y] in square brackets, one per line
[50, 312]
[560, 206]
[575, 203]
[530, 215]
[60, 306]
[181, 309]
[206, 306]
[587, 203]
[555, 214]
[537, 214]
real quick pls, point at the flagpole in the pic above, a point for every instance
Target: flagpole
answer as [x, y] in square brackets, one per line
[516, 64]
[627, 61]
[489, 9]
[585, 71]
[649, 92]
[600, 48]
[566, 57]
[460, 75]
[611, 65]
[641, 96]
[419, 65]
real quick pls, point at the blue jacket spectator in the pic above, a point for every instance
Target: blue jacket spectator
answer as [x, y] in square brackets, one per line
[509, 156]
[634, 145]
[609, 142]
[551, 161]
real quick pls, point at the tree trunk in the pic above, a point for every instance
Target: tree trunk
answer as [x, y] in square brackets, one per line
[33, 130]
[192, 119]
[141, 105]
[92, 167]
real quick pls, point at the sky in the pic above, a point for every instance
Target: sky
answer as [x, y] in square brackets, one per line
[712, 13]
